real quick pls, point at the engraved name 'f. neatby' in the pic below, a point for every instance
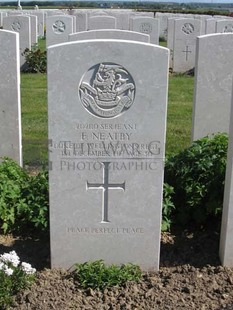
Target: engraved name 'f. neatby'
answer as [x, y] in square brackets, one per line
[105, 186]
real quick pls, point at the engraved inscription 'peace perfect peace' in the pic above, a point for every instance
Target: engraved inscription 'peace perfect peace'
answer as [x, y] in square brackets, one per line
[107, 90]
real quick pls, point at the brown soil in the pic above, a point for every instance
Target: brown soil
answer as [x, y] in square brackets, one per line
[190, 277]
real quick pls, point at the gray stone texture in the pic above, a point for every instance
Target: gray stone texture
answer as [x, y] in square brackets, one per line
[101, 22]
[147, 25]
[22, 25]
[34, 29]
[224, 26]
[226, 244]
[106, 184]
[185, 34]
[109, 34]
[210, 25]
[10, 109]
[40, 22]
[213, 82]
[81, 21]
[58, 28]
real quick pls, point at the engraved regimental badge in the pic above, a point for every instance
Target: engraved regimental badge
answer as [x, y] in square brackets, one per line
[188, 28]
[16, 26]
[107, 90]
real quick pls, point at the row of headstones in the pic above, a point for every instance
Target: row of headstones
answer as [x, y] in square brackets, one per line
[59, 27]
[181, 33]
[104, 122]
[182, 39]
[29, 27]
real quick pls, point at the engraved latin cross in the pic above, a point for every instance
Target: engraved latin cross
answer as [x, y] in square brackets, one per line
[105, 186]
[186, 52]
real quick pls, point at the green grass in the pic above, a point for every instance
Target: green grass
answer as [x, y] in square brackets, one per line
[42, 44]
[34, 117]
[179, 118]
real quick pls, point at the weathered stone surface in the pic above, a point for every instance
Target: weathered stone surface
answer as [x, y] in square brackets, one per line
[107, 115]
[226, 244]
[109, 34]
[58, 29]
[22, 25]
[101, 22]
[10, 110]
[185, 34]
[213, 82]
[147, 25]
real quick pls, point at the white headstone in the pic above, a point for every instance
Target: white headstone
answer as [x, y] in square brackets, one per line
[107, 116]
[226, 244]
[58, 29]
[40, 22]
[1, 19]
[10, 116]
[22, 25]
[122, 21]
[101, 22]
[81, 21]
[34, 29]
[163, 18]
[213, 81]
[210, 25]
[147, 25]
[109, 34]
[170, 38]
[224, 26]
[184, 47]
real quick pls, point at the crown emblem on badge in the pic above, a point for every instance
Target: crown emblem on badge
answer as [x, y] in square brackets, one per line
[110, 90]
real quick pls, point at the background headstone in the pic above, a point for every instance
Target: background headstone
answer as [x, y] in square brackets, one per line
[109, 34]
[224, 26]
[184, 45]
[81, 22]
[147, 25]
[34, 29]
[101, 22]
[213, 82]
[58, 28]
[226, 244]
[210, 26]
[40, 22]
[107, 116]
[10, 109]
[22, 25]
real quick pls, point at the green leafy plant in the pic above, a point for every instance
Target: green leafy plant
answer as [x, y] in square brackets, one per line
[97, 275]
[23, 199]
[168, 207]
[197, 175]
[14, 276]
[35, 60]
